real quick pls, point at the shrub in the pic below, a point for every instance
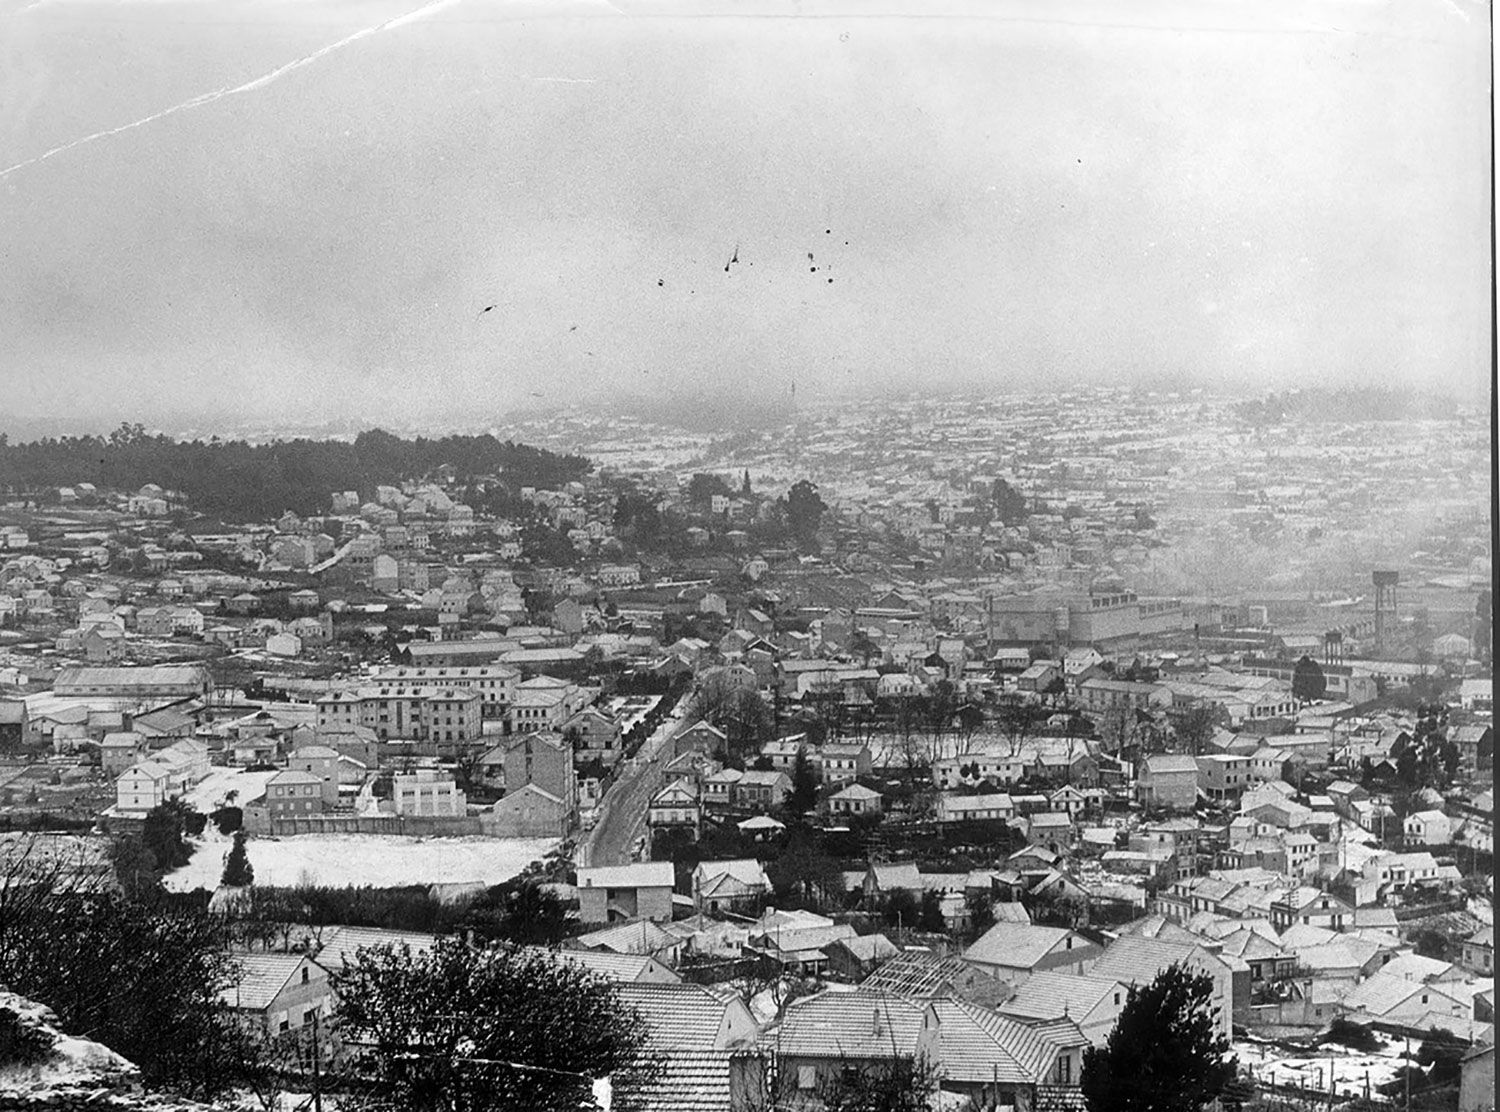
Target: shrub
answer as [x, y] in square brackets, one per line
[228, 819]
[1345, 1032]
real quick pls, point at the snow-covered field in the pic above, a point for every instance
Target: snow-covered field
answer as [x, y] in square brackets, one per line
[1351, 1069]
[380, 860]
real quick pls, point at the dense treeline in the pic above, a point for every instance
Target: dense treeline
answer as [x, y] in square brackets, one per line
[238, 481]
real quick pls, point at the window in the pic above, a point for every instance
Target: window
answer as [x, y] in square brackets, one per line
[304, 974]
[1064, 1070]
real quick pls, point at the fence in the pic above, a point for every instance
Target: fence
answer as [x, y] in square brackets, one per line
[418, 825]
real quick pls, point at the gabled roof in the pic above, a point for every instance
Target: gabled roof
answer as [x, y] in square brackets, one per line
[1018, 945]
[978, 1045]
[890, 877]
[340, 943]
[1170, 762]
[855, 1025]
[747, 871]
[1415, 967]
[678, 1017]
[866, 947]
[1380, 993]
[623, 968]
[259, 978]
[1137, 961]
[639, 937]
[1051, 995]
[805, 940]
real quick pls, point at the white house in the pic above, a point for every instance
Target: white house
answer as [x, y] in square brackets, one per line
[424, 793]
[284, 644]
[1428, 828]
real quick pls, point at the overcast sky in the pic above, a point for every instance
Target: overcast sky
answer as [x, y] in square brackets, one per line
[1259, 192]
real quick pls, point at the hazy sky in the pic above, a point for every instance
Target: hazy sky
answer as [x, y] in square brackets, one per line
[1268, 191]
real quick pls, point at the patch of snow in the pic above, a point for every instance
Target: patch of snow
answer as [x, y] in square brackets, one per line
[378, 860]
[208, 795]
[1350, 1069]
[73, 1063]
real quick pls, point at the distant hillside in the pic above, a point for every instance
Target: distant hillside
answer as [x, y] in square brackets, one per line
[1348, 405]
[237, 481]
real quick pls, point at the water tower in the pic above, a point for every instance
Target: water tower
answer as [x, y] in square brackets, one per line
[1385, 605]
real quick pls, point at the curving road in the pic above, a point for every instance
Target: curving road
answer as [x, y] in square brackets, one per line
[622, 814]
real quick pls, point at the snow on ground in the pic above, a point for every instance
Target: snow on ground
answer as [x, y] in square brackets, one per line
[210, 794]
[1350, 1068]
[379, 860]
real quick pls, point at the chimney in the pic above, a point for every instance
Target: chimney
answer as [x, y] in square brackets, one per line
[875, 1030]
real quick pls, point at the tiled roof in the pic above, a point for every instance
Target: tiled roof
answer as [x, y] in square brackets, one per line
[978, 1045]
[259, 978]
[1378, 994]
[1137, 961]
[682, 1080]
[640, 937]
[1009, 911]
[1415, 967]
[859, 1024]
[746, 871]
[1015, 945]
[867, 947]
[1059, 1098]
[897, 876]
[1335, 955]
[612, 967]
[340, 943]
[677, 1017]
[807, 939]
[1049, 995]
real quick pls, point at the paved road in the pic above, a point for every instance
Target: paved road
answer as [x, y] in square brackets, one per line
[622, 814]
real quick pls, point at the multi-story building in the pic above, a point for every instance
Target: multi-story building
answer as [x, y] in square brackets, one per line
[1224, 776]
[425, 793]
[441, 714]
[292, 793]
[495, 683]
[544, 758]
[544, 703]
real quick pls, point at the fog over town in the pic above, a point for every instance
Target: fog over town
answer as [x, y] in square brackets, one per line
[745, 557]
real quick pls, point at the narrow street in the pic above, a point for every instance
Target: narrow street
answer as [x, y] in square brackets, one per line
[622, 814]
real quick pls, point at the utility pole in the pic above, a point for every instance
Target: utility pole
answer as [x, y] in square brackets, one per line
[317, 1078]
[1406, 1072]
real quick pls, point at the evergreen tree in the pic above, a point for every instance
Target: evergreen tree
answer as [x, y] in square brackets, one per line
[804, 510]
[1308, 681]
[163, 832]
[930, 917]
[238, 872]
[1165, 1054]
[804, 794]
[1008, 502]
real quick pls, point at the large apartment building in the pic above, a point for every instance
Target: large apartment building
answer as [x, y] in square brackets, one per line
[417, 712]
[495, 683]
